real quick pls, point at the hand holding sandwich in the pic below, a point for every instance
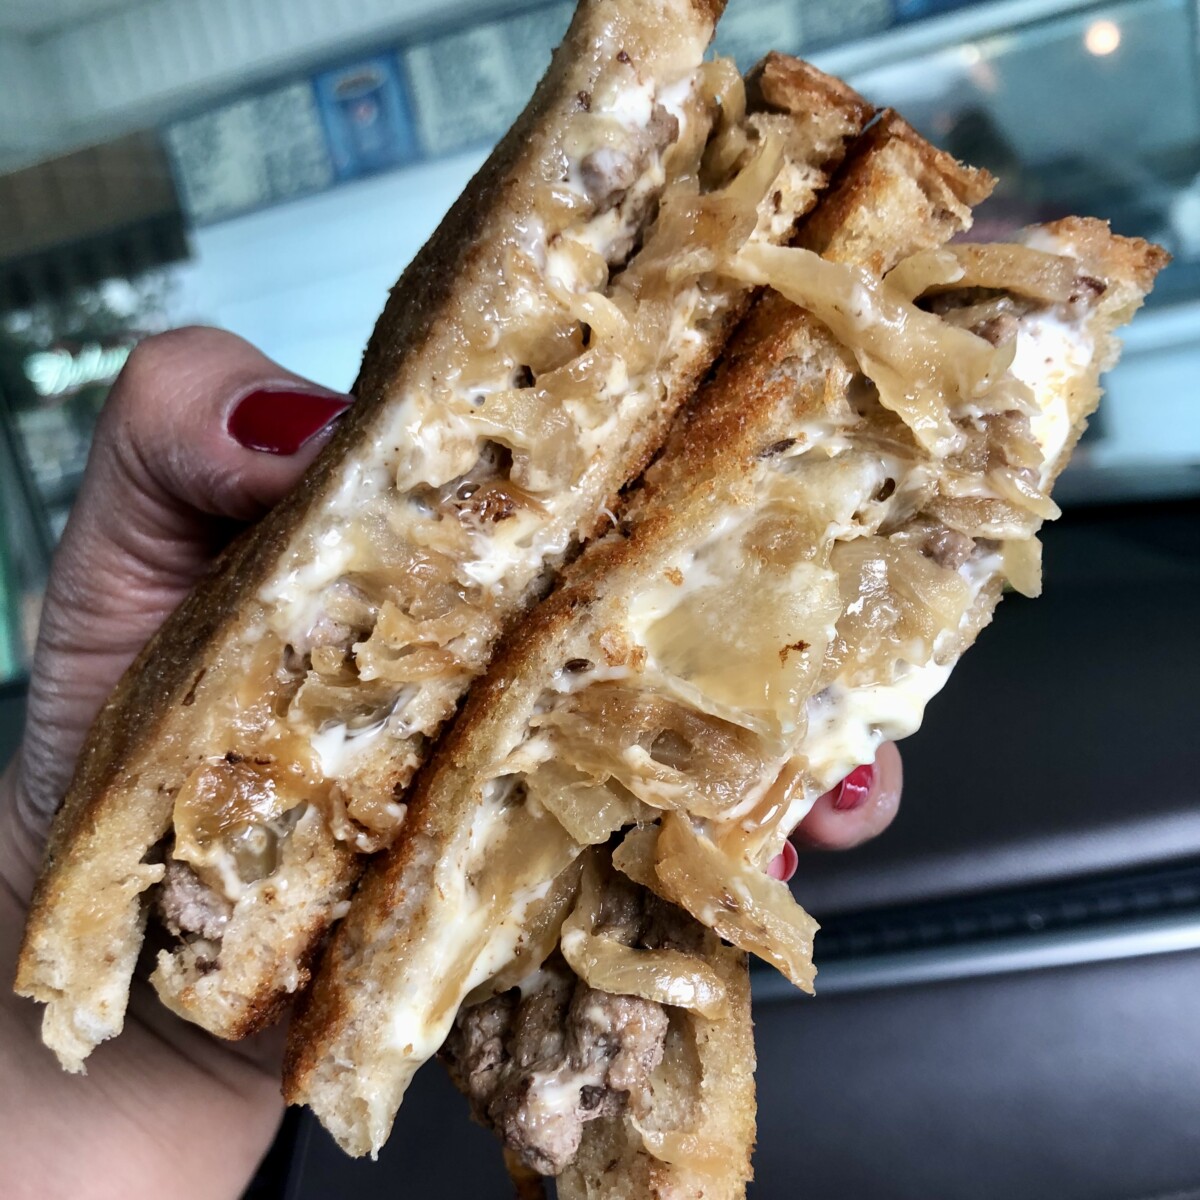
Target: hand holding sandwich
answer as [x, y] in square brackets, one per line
[170, 1111]
[202, 435]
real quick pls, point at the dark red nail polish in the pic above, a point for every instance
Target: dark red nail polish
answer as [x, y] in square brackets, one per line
[783, 865]
[278, 421]
[853, 791]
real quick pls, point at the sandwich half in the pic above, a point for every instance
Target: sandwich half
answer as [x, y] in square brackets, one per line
[830, 524]
[527, 366]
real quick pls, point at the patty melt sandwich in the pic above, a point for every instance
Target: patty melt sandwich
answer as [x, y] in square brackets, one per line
[830, 524]
[693, 450]
[526, 368]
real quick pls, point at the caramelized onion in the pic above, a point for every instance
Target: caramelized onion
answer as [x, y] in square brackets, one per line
[736, 900]
[1017, 488]
[984, 517]
[589, 811]
[528, 419]
[635, 857]
[919, 273]
[696, 231]
[684, 1149]
[529, 847]
[341, 699]
[897, 601]
[609, 325]
[665, 754]
[922, 367]
[1023, 565]
[664, 975]
[228, 813]
[539, 937]
[721, 83]
[1008, 266]
[757, 645]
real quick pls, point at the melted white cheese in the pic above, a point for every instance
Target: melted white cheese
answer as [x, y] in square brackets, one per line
[847, 725]
[461, 923]
[336, 745]
[505, 552]
[1051, 350]
[558, 1093]
[423, 445]
[417, 1027]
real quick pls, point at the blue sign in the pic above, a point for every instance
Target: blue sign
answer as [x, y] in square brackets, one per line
[366, 116]
[914, 10]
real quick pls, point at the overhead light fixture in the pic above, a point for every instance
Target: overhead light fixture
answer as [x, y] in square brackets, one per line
[1102, 38]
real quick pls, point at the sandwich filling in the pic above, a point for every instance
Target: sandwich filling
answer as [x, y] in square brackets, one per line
[541, 1059]
[814, 618]
[482, 477]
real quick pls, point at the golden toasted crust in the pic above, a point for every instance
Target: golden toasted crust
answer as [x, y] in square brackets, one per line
[86, 921]
[1128, 263]
[889, 159]
[783, 84]
[1127, 267]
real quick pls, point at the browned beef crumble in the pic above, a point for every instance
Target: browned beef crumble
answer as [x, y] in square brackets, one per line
[539, 1062]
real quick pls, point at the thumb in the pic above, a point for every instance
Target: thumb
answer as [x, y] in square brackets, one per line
[201, 434]
[199, 425]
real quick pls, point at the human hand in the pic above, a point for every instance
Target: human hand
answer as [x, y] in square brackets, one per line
[200, 436]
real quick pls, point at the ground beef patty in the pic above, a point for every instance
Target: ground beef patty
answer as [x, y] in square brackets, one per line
[541, 1060]
[186, 904]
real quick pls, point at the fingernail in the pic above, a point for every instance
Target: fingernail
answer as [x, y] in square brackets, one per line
[278, 421]
[853, 791]
[783, 865]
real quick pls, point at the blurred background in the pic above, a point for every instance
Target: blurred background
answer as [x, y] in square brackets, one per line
[1009, 970]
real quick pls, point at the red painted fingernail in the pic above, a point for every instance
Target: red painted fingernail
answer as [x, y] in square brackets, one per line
[853, 791]
[783, 865]
[278, 421]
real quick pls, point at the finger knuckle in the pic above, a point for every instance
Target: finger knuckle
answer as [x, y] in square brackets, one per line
[135, 403]
[151, 364]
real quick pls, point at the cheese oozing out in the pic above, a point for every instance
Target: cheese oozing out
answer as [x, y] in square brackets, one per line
[847, 724]
[842, 726]
[504, 863]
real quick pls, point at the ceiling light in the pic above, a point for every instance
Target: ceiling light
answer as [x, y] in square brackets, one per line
[1102, 37]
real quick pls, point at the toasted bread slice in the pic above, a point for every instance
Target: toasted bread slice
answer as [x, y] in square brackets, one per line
[824, 534]
[527, 366]
[229, 701]
[447, 906]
